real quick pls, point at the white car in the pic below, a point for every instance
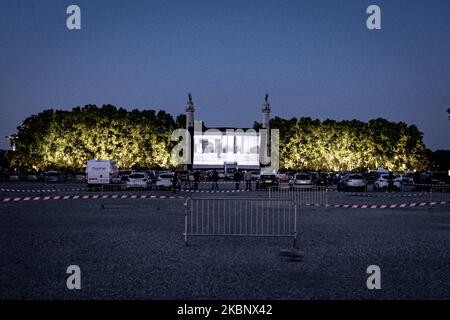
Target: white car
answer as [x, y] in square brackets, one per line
[352, 182]
[164, 180]
[382, 183]
[301, 179]
[138, 180]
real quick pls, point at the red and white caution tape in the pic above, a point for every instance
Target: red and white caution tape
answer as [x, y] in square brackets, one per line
[386, 206]
[221, 182]
[388, 195]
[429, 185]
[146, 196]
[376, 206]
[213, 191]
[40, 190]
[89, 196]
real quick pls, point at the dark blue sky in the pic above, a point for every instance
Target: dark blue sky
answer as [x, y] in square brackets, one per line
[315, 58]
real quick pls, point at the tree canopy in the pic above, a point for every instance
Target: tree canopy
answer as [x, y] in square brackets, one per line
[67, 139]
[308, 144]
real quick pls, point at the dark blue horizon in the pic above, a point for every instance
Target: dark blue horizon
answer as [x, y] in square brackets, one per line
[315, 59]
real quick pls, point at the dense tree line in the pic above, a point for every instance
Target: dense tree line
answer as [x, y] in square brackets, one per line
[67, 139]
[349, 145]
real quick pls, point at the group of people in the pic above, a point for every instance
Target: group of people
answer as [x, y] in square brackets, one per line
[237, 178]
[193, 179]
[190, 179]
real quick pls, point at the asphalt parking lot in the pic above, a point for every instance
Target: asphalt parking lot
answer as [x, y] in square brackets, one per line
[134, 249]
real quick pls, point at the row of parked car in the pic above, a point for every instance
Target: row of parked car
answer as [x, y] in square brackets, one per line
[48, 176]
[357, 181]
[349, 181]
[345, 181]
[145, 179]
[164, 179]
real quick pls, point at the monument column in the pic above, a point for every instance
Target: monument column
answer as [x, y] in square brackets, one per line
[265, 149]
[190, 128]
[266, 113]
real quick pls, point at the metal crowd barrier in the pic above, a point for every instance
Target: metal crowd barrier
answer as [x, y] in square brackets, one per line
[124, 187]
[181, 186]
[440, 194]
[301, 195]
[246, 217]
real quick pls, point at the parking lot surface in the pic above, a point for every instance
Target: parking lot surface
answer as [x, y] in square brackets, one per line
[134, 249]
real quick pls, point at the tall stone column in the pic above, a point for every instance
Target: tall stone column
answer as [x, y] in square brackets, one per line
[266, 113]
[265, 125]
[190, 128]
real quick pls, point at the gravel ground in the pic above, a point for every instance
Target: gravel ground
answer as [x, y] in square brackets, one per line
[135, 249]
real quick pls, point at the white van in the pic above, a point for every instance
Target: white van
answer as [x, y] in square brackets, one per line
[101, 172]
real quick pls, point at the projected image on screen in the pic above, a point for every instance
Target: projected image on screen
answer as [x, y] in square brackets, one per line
[213, 148]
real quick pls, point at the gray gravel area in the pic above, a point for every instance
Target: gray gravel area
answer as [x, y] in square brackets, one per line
[134, 249]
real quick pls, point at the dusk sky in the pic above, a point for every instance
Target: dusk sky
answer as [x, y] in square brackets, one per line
[314, 58]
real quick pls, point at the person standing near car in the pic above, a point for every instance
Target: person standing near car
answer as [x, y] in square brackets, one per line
[174, 181]
[215, 178]
[391, 182]
[248, 180]
[196, 179]
[237, 178]
[423, 181]
[191, 180]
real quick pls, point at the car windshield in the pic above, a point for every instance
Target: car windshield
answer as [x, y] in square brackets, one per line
[165, 176]
[302, 177]
[137, 176]
[356, 177]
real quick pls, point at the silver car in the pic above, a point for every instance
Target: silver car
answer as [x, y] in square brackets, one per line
[138, 180]
[382, 183]
[301, 179]
[353, 182]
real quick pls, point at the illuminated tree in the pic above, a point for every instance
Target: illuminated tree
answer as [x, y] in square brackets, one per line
[63, 139]
[353, 145]
[68, 139]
